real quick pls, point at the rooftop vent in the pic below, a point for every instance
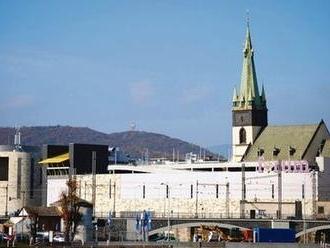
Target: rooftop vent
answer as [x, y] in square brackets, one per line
[292, 150]
[276, 151]
[260, 152]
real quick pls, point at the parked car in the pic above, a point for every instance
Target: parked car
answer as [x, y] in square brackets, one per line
[166, 239]
[59, 237]
[156, 237]
[41, 238]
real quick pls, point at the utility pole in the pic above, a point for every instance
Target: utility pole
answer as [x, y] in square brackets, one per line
[279, 189]
[227, 199]
[196, 210]
[167, 194]
[6, 211]
[114, 200]
[314, 193]
[304, 216]
[168, 214]
[93, 181]
[243, 198]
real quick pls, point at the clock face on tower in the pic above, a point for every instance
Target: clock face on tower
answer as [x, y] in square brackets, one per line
[250, 118]
[242, 118]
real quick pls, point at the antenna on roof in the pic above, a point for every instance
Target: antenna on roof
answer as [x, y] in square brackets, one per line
[132, 126]
[17, 139]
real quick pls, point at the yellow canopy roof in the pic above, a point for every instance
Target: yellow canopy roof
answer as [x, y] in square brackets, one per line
[55, 160]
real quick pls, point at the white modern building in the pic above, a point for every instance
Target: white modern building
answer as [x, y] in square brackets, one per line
[201, 189]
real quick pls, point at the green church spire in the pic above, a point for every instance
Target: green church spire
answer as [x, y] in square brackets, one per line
[249, 86]
[248, 94]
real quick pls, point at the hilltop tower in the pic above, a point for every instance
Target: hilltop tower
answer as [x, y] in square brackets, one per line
[249, 107]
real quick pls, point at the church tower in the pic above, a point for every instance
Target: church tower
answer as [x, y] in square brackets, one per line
[249, 107]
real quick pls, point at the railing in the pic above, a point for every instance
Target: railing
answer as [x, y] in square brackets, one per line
[208, 215]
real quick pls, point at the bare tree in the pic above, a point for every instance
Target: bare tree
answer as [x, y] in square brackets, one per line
[69, 203]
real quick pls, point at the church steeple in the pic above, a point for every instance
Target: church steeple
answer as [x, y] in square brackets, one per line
[249, 106]
[248, 95]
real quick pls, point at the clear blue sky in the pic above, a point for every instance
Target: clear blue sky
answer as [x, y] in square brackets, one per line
[168, 66]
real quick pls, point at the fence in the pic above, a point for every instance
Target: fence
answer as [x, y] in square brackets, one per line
[207, 215]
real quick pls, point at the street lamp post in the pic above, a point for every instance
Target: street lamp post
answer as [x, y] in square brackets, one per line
[167, 194]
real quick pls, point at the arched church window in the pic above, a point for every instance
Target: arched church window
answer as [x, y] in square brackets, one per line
[242, 136]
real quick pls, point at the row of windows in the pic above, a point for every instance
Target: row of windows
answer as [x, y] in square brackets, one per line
[216, 191]
[276, 151]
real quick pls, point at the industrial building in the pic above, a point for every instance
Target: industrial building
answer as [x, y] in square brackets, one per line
[20, 177]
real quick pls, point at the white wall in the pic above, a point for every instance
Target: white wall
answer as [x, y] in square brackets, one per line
[126, 194]
[239, 149]
[261, 188]
[55, 187]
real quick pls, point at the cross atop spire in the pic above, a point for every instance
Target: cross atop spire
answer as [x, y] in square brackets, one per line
[248, 96]
[248, 18]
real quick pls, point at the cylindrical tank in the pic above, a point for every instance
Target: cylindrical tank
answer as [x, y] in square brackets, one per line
[16, 187]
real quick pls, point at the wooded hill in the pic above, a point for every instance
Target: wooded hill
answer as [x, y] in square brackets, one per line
[134, 143]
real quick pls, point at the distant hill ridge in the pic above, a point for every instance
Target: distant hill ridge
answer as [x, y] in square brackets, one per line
[134, 143]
